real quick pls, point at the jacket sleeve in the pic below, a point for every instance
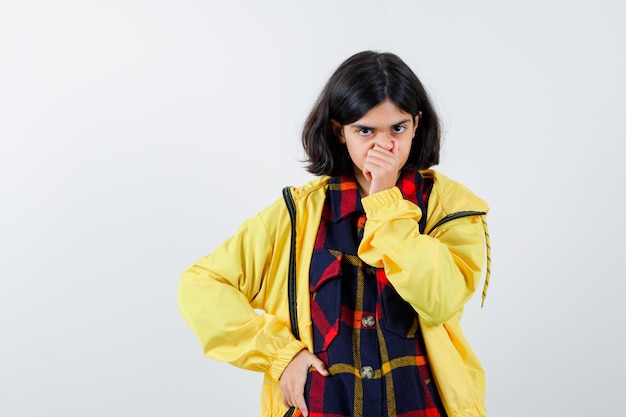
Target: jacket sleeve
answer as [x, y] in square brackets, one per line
[218, 295]
[436, 274]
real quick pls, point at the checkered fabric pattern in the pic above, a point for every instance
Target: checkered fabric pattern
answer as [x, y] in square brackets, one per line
[367, 335]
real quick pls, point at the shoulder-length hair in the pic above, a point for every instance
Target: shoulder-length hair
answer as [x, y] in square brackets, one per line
[361, 82]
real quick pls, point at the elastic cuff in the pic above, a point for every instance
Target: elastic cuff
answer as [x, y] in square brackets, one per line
[284, 357]
[381, 199]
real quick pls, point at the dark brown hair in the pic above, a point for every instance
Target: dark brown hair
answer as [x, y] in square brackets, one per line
[361, 82]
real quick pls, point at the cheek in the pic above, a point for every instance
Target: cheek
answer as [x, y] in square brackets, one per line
[357, 148]
[405, 148]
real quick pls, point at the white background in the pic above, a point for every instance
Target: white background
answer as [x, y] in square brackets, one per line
[135, 136]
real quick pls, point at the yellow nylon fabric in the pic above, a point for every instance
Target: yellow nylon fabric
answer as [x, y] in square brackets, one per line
[218, 295]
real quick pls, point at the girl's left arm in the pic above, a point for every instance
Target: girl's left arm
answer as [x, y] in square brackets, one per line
[436, 274]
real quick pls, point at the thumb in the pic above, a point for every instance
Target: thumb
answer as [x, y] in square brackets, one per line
[320, 366]
[367, 174]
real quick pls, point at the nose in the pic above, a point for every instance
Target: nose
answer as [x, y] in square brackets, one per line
[384, 140]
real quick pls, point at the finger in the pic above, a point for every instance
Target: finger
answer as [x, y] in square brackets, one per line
[285, 402]
[386, 146]
[378, 161]
[381, 149]
[286, 398]
[385, 163]
[301, 405]
[378, 168]
[382, 155]
[289, 394]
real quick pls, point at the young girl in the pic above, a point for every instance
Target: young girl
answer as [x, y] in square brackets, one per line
[387, 253]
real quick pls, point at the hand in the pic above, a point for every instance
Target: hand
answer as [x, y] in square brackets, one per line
[382, 167]
[294, 377]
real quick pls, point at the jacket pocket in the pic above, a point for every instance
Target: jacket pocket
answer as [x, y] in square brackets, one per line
[398, 316]
[325, 288]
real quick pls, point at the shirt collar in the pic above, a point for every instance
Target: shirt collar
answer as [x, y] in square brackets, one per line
[344, 197]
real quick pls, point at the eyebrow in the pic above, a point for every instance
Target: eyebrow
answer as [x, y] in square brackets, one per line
[372, 128]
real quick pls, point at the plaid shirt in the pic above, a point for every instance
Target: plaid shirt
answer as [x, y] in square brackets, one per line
[367, 335]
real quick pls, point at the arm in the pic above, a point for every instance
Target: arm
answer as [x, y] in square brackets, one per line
[216, 297]
[435, 274]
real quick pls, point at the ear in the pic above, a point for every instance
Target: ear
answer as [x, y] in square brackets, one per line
[416, 119]
[337, 130]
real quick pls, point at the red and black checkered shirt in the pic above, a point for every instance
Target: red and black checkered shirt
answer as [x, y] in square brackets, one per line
[367, 335]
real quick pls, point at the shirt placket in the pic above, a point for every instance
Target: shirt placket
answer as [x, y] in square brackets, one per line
[369, 384]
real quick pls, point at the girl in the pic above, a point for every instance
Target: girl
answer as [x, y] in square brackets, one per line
[387, 253]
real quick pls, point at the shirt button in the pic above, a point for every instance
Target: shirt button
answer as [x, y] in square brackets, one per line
[368, 321]
[367, 372]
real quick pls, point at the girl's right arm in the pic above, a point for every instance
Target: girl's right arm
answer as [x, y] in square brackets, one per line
[216, 297]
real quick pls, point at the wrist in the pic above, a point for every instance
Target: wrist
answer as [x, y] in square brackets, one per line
[285, 356]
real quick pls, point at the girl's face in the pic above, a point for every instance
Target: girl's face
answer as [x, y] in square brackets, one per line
[385, 129]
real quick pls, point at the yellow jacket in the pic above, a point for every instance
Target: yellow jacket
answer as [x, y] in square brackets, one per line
[220, 295]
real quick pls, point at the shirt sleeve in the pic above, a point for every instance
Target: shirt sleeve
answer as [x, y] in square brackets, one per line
[216, 297]
[436, 274]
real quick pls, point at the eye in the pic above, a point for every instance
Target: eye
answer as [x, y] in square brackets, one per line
[364, 131]
[399, 129]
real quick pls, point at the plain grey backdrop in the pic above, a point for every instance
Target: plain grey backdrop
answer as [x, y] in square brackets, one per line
[135, 136]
